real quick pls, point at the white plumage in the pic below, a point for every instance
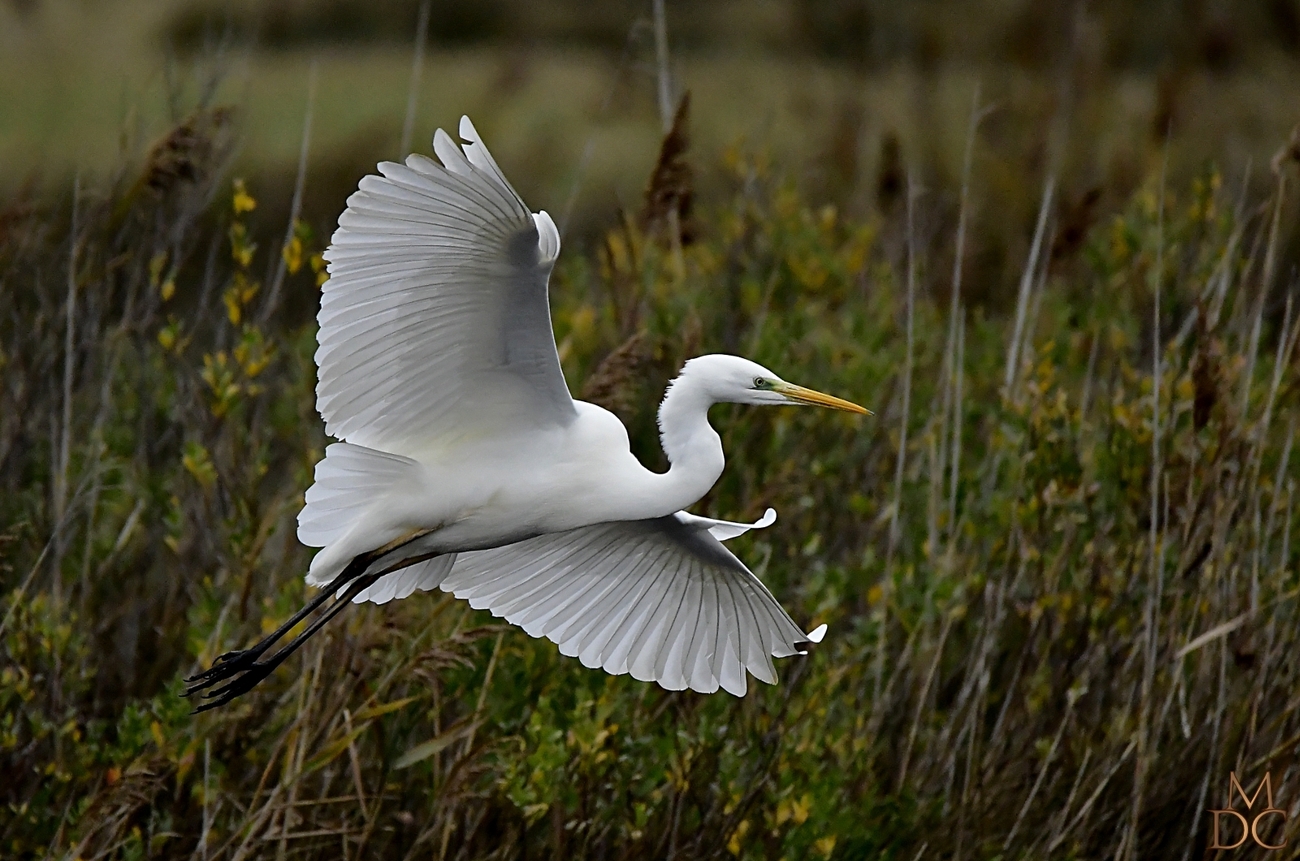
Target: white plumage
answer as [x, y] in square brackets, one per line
[466, 465]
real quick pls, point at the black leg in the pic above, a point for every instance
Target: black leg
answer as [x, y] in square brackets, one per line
[240, 670]
[230, 665]
[247, 675]
[233, 662]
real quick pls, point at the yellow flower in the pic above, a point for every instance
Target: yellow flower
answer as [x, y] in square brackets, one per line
[799, 809]
[318, 266]
[292, 254]
[198, 464]
[241, 248]
[793, 810]
[242, 201]
[233, 309]
[733, 845]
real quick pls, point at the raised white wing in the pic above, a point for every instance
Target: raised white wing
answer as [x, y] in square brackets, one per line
[661, 599]
[435, 321]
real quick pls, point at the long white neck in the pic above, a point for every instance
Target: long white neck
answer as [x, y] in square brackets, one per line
[694, 449]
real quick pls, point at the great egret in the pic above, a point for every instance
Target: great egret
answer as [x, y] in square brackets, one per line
[466, 465]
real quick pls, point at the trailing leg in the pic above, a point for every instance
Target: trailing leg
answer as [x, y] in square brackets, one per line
[239, 671]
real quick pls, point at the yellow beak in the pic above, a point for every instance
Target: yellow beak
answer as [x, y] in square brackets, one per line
[800, 395]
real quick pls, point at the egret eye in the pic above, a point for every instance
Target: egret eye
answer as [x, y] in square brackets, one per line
[760, 383]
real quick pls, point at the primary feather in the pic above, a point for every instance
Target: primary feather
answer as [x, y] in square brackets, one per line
[435, 321]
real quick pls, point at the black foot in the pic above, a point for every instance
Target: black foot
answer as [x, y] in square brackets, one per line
[225, 667]
[239, 671]
[239, 659]
[252, 674]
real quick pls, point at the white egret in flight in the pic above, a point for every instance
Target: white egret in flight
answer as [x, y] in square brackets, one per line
[465, 464]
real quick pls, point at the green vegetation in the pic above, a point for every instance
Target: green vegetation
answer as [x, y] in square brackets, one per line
[1061, 610]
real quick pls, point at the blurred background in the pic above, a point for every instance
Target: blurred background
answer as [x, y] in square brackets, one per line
[842, 96]
[1062, 611]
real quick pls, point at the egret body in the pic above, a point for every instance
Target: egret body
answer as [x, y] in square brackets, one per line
[464, 463]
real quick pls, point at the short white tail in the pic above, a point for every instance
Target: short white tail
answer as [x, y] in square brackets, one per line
[349, 480]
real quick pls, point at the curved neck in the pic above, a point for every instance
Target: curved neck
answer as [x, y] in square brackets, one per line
[694, 449]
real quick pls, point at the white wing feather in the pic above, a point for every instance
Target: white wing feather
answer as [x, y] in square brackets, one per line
[725, 530]
[435, 321]
[660, 599]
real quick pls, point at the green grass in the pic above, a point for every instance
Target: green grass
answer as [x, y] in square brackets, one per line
[1021, 662]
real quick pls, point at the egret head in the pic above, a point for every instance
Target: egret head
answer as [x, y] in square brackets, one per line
[731, 379]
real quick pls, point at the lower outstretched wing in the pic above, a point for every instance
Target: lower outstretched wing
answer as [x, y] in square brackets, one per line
[661, 599]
